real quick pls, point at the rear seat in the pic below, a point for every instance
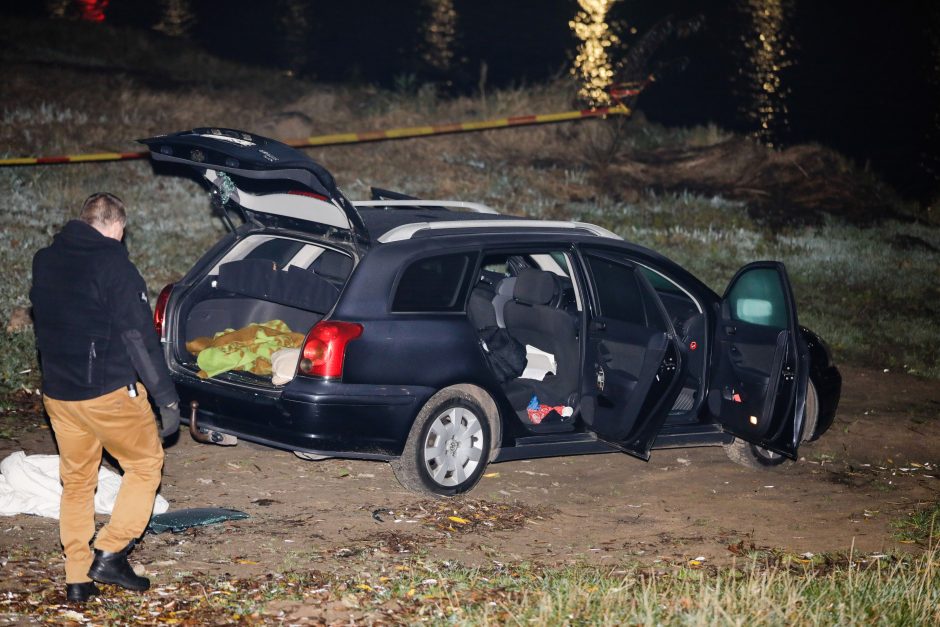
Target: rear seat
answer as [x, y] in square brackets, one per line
[503, 295]
[333, 266]
[530, 320]
[260, 278]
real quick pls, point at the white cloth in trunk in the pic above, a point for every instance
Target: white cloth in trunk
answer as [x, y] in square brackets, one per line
[29, 484]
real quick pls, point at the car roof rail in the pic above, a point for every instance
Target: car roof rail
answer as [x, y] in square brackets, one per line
[407, 231]
[473, 207]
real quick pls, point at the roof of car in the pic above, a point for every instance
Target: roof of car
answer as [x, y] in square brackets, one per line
[398, 223]
[380, 220]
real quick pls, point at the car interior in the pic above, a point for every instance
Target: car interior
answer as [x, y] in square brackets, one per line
[534, 298]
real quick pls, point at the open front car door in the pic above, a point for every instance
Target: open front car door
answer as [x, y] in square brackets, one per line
[760, 363]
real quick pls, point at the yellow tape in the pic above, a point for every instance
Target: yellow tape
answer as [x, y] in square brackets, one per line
[100, 156]
[355, 138]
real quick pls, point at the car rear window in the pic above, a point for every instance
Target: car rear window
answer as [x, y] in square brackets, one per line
[434, 284]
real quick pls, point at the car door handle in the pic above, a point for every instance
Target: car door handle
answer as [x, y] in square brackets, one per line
[731, 330]
[598, 325]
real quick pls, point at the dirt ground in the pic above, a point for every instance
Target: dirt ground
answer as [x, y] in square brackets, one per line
[880, 461]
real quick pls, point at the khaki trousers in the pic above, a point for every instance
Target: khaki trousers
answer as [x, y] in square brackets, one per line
[126, 427]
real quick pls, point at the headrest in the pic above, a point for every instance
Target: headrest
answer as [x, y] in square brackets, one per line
[534, 287]
[332, 265]
[247, 265]
[481, 310]
[247, 276]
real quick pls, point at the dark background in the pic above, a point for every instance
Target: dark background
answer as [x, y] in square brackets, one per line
[862, 76]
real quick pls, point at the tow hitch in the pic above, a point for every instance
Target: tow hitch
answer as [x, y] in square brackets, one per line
[207, 436]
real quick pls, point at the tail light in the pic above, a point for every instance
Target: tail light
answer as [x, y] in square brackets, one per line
[325, 348]
[159, 311]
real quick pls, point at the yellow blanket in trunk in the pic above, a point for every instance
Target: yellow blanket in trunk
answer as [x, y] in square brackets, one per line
[249, 348]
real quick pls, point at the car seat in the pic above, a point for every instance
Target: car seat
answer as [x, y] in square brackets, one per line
[503, 295]
[531, 320]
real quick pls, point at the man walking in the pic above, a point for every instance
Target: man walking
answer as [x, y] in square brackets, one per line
[95, 338]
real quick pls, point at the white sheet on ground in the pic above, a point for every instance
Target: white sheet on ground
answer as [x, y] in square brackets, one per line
[29, 484]
[538, 363]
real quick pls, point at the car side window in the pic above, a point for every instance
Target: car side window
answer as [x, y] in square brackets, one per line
[618, 291]
[434, 284]
[757, 297]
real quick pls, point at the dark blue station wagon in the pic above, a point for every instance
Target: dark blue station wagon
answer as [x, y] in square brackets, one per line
[441, 336]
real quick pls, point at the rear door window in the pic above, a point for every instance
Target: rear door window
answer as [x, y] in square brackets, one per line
[618, 291]
[434, 284]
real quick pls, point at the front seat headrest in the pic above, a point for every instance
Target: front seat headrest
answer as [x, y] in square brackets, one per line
[332, 265]
[534, 287]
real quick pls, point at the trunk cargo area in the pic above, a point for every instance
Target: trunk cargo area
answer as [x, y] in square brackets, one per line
[260, 279]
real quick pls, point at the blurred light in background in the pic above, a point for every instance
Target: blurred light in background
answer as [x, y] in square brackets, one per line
[92, 10]
[439, 34]
[592, 65]
[176, 18]
[769, 52]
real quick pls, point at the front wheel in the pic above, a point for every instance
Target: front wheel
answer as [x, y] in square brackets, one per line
[753, 456]
[448, 447]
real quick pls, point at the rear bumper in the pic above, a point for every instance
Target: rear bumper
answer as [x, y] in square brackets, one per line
[313, 416]
[364, 419]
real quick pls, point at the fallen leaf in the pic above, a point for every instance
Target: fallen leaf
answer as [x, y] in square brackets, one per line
[458, 519]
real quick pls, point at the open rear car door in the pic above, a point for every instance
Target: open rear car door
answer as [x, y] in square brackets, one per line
[760, 363]
[633, 361]
[265, 179]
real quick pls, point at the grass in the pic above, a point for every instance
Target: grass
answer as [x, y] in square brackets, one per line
[840, 590]
[920, 527]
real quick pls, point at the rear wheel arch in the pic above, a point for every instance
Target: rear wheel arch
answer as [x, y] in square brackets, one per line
[488, 405]
[411, 469]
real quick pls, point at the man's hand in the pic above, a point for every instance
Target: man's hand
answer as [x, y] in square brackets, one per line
[170, 419]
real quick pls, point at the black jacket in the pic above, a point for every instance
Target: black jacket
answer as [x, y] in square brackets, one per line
[94, 326]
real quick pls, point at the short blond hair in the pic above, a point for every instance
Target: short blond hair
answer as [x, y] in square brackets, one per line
[101, 209]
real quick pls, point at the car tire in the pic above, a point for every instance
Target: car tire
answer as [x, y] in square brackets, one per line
[812, 413]
[753, 456]
[447, 448]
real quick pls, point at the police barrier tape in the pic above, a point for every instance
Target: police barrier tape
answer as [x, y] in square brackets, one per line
[357, 138]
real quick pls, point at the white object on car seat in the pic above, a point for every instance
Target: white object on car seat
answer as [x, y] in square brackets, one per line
[29, 484]
[538, 363]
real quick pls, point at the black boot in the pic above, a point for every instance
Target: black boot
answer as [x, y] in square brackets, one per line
[81, 592]
[114, 568]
